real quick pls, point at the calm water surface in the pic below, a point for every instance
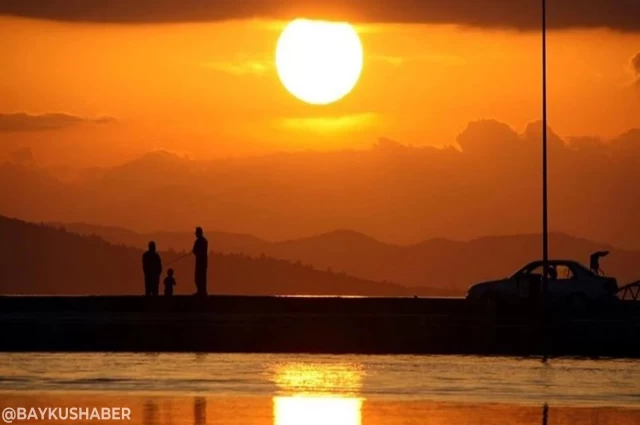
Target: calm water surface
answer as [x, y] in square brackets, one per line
[248, 389]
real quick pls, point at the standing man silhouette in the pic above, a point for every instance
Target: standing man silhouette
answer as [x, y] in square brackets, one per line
[201, 252]
[594, 262]
[152, 268]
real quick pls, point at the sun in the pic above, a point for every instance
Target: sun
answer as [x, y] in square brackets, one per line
[319, 62]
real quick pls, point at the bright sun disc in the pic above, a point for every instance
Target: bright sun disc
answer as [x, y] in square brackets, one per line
[319, 62]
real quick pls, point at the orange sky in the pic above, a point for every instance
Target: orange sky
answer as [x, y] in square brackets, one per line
[211, 89]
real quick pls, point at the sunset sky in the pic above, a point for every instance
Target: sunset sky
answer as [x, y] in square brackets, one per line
[199, 78]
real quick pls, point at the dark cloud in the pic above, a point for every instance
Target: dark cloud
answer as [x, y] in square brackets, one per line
[495, 140]
[533, 135]
[517, 14]
[22, 121]
[487, 136]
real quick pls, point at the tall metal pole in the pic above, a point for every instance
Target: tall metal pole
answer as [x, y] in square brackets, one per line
[545, 227]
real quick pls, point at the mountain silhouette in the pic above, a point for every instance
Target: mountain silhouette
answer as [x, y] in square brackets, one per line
[489, 183]
[450, 266]
[41, 259]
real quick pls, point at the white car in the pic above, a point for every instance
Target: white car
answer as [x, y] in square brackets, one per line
[569, 283]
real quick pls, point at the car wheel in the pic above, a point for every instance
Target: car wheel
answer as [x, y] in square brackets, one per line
[578, 304]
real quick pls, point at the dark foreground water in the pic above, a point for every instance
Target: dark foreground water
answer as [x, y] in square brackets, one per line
[175, 389]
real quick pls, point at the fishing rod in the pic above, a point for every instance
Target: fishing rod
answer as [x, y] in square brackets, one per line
[179, 258]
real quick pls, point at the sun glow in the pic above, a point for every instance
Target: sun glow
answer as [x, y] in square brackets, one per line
[319, 62]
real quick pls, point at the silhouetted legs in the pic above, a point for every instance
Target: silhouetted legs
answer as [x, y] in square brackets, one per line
[151, 285]
[201, 279]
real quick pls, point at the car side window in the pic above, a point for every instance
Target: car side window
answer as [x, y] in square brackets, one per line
[565, 272]
[554, 272]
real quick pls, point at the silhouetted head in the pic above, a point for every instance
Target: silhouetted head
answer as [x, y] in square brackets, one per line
[170, 272]
[152, 246]
[599, 254]
[199, 232]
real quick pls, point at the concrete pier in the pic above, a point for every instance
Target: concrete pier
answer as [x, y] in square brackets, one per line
[314, 325]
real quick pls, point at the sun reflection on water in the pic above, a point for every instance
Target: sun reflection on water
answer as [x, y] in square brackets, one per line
[318, 394]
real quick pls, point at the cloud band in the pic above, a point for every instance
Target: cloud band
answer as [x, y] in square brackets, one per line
[619, 15]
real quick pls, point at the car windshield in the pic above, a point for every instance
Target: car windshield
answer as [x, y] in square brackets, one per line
[522, 270]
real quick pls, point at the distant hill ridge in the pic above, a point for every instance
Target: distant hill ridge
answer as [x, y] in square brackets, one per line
[42, 259]
[440, 263]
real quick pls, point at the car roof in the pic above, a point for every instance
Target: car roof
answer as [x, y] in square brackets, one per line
[556, 262]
